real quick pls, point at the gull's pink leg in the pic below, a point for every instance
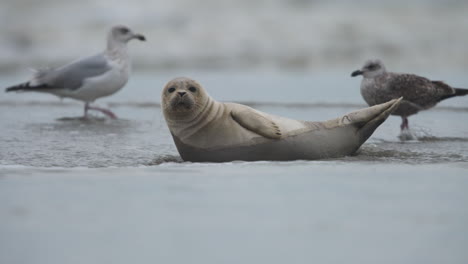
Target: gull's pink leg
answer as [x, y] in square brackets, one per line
[404, 123]
[86, 107]
[107, 112]
[405, 133]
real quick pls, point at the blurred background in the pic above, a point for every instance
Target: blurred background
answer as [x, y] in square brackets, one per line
[288, 35]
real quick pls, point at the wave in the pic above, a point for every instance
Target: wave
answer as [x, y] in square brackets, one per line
[365, 154]
[442, 139]
[406, 156]
[165, 159]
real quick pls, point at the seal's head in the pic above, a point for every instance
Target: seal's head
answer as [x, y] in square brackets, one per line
[183, 98]
[371, 69]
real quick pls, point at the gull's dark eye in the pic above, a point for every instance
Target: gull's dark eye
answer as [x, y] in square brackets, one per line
[124, 30]
[171, 90]
[192, 89]
[372, 67]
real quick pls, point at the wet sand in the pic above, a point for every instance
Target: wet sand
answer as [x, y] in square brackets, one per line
[290, 212]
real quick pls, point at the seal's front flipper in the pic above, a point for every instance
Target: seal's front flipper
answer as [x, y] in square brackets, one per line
[256, 122]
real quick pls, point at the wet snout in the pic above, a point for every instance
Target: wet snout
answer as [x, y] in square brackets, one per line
[181, 101]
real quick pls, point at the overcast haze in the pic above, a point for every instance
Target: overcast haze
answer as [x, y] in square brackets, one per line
[233, 34]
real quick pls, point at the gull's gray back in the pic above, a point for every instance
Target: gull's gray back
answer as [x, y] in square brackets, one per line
[71, 76]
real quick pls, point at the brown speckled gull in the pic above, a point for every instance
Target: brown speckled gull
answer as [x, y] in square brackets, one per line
[418, 93]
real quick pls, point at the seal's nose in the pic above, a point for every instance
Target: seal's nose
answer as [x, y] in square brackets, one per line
[181, 94]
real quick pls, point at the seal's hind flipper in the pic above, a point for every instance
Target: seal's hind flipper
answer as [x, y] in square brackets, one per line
[364, 116]
[256, 122]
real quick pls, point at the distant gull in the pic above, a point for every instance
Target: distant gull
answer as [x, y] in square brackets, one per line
[88, 78]
[419, 93]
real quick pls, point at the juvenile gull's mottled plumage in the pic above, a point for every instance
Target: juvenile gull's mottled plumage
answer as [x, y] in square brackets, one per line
[88, 78]
[418, 93]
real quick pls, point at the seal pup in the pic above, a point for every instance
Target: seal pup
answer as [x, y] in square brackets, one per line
[88, 78]
[419, 93]
[205, 130]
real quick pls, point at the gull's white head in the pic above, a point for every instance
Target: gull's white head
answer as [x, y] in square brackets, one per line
[123, 34]
[371, 69]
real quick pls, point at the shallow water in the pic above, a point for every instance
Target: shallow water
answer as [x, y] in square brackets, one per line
[41, 131]
[116, 191]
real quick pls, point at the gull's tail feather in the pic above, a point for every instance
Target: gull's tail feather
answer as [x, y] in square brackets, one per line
[40, 76]
[25, 87]
[35, 84]
[458, 92]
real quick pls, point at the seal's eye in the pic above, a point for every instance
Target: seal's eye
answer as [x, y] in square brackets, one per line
[171, 90]
[192, 89]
